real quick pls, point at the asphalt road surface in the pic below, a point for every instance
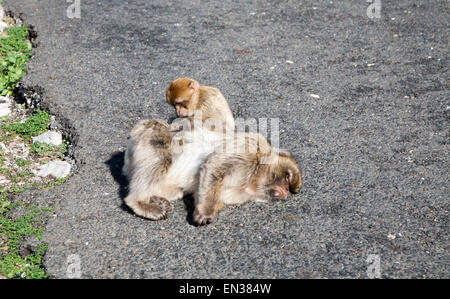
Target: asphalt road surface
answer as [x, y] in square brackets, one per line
[363, 105]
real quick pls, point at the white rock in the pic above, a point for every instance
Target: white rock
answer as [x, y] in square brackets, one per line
[391, 236]
[3, 26]
[5, 106]
[2, 13]
[56, 169]
[4, 148]
[50, 137]
[314, 96]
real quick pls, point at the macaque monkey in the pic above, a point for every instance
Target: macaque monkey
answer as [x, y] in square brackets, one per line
[244, 176]
[147, 159]
[218, 169]
[191, 99]
[158, 171]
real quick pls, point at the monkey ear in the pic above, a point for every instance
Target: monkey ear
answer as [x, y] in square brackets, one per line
[194, 85]
[295, 180]
[168, 94]
[284, 153]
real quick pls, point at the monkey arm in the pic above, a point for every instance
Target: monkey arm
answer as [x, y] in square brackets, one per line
[213, 175]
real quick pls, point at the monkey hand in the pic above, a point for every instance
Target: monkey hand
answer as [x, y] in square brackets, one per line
[203, 216]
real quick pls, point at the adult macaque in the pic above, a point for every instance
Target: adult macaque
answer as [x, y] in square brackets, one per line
[161, 167]
[258, 173]
[219, 169]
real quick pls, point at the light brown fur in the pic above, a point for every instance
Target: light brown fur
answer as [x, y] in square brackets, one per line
[192, 99]
[224, 177]
[236, 178]
[147, 160]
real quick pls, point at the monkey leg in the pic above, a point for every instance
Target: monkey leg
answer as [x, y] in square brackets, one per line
[171, 192]
[204, 213]
[208, 201]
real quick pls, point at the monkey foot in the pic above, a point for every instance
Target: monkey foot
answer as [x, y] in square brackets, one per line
[155, 209]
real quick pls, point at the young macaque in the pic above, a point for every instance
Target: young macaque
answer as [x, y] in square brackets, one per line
[191, 99]
[218, 169]
[243, 176]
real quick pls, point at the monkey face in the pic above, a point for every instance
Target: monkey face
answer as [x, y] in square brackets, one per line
[180, 94]
[279, 189]
[289, 182]
[182, 111]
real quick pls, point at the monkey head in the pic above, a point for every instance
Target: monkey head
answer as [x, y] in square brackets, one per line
[285, 176]
[183, 95]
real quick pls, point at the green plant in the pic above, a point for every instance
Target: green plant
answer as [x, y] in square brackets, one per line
[21, 162]
[48, 150]
[14, 53]
[12, 265]
[36, 124]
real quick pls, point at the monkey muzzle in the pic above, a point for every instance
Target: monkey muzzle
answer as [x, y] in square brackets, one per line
[278, 192]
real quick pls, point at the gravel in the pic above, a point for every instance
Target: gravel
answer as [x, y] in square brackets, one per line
[373, 146]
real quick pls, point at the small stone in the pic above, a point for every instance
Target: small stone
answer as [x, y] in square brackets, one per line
[289, 62]
[3, 26]
[5, 106]
[391, 236]
[56, 169]
[49, 137]
[53, 124]
[29, 246]
[3, 148]
[314, 96]
[4, 181]
[2, 13]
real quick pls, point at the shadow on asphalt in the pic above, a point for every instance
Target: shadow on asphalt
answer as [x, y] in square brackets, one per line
[115, 164]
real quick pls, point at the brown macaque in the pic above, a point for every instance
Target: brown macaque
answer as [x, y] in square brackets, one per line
[191, 99]
[217, 169]
[159, 169]
[147, 160]
[240, 177]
